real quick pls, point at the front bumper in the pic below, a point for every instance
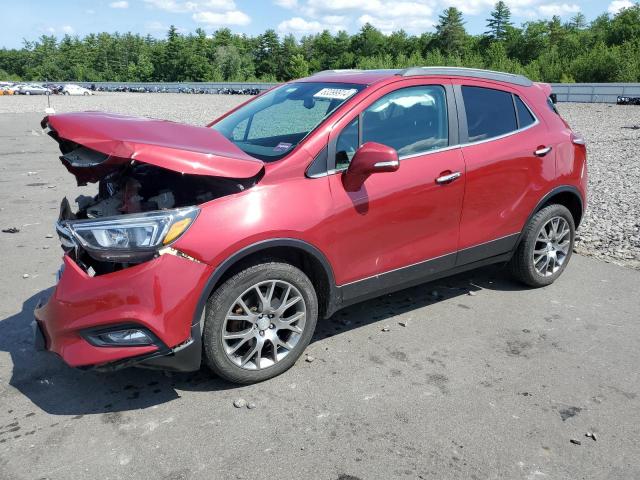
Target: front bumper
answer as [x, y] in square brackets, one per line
[159, 295]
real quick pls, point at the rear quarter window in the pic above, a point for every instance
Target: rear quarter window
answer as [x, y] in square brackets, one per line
[525, 118]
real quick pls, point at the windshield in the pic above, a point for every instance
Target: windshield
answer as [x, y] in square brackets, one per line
[272, 125]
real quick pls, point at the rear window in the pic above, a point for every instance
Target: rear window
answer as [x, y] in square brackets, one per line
[490, 113]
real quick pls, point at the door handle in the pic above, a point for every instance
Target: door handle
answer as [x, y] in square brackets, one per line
[450, 177]
[542, 151]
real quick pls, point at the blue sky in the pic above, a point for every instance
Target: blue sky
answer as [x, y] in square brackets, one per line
[31, 18]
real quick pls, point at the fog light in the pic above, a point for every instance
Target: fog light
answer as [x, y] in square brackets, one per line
[125, 337]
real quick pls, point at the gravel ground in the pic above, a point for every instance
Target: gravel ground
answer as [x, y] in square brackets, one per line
[609, 231]
[611, 227]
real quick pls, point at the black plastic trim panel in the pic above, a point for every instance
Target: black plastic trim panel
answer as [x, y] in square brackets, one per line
[496, 251]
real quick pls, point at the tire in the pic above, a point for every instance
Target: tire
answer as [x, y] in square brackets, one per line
[280, 346]
[538, 262]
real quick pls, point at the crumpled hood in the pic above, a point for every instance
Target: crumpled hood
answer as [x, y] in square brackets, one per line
[174, 146]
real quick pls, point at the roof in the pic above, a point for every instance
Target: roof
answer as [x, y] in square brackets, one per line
[372, 76]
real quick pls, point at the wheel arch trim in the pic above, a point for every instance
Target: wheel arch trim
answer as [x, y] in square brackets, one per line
[244, 252]
[555, 191]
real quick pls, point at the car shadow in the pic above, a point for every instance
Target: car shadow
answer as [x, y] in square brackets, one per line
[492, 277]
[60, 390]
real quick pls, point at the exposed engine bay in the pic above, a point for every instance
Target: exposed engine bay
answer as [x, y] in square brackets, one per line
[129, 189]
[152, 176]
[141, 188]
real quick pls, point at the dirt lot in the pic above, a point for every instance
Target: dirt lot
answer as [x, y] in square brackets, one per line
[484, 386]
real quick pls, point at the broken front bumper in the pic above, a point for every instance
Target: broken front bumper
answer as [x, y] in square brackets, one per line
[159, 296]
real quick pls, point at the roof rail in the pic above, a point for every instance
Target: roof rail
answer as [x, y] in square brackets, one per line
[468, 72]
[344, 70]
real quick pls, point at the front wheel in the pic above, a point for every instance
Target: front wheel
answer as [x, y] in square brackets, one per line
[545, 248]
[259, 322]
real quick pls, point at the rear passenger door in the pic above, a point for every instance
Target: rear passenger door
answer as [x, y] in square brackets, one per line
[500, 134]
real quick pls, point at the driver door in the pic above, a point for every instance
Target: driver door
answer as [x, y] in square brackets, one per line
[399, 227]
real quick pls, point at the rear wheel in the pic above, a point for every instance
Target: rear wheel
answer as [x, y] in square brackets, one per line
[259, 322]
[546, 247]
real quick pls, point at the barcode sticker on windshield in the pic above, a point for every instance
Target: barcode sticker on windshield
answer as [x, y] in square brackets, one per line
[335, 93]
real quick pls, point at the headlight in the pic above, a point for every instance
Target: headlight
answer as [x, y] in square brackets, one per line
[129, 238]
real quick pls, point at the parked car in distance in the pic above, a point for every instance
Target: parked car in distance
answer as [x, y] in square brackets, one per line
[33, 90]
[71, 89]
[228, 243]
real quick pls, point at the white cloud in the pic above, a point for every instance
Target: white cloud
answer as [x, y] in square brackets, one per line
[389, 25]
[119, 4]
[386, 15]
[216, 19]
[618, 5]
[300, 26]
[175, 6]
[559, 9]
[68, 29]
[214, 13]
[471, 7]
[286, 3]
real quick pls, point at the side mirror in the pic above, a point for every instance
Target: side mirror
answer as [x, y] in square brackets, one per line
[370, 158]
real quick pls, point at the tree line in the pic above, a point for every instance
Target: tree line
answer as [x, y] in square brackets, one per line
[604, 50]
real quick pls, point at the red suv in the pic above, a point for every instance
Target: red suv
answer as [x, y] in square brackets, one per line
[228, 242]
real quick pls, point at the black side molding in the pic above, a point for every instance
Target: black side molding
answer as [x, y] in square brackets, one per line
[487, 250]
[496, 251]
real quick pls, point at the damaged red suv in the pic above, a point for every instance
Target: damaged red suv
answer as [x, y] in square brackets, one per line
[224, 244]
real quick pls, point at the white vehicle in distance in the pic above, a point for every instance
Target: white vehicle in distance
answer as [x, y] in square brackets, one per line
[71, 89]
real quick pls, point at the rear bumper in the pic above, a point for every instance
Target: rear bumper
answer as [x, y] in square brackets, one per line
[159, 296]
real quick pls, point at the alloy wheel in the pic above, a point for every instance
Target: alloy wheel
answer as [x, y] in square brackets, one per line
[264, 324]
[551, 246]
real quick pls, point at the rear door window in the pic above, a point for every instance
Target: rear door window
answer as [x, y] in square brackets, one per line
[490, 113]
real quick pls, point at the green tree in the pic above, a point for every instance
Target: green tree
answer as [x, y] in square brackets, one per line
[173, 56]
[298, 67]
[368, 42]
[450, 33]
[625, 25]
[499, 22]
[267, 51]
[578, 21]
